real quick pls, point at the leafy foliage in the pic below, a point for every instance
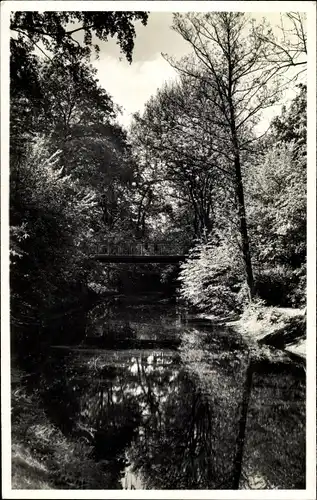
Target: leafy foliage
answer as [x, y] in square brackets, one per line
[54, 31]
[275, 184]
[71, 168]
[48, 213]
[291, 124]
[276, 187]
[236, 73]
[50, 34]
[212, 278]
[177, 133]
[187, 169]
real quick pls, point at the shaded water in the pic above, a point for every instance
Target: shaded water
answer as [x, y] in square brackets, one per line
[167, 404]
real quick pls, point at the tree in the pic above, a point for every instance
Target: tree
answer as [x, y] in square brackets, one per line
[51, 35]
[288, 47]
[276, 203]
[71, 97]
[59, 214]
[291, 124]
[235, 76]
[79, 118]
[176, 134]
[66, 94]
[51, 217]
[54, 31]
[212, 278]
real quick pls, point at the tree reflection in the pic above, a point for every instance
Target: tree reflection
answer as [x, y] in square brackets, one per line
[176, 446]
[165, 419]
[145, 409]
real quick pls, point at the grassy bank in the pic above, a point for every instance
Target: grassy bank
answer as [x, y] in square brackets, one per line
[42, 457]
[265, 327]
[282, 328]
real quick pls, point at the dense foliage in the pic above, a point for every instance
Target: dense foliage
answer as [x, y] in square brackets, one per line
[191, 171]
[56, 30]
[277, 208]
[48, 213]
[213, 279]
[275, 182]
[199, 145]
[70, 164]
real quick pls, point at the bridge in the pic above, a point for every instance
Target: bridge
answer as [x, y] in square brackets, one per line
[140, 253]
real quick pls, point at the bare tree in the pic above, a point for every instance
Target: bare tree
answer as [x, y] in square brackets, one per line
[235, 73]
[288, 46]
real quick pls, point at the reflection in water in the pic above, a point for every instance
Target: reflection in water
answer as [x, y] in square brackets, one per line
[166, 418]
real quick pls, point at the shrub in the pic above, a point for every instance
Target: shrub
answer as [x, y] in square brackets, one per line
[273, 285]
[212, 279]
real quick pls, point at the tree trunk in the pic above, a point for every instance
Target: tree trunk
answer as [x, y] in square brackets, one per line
[239, 184]
[243, 227]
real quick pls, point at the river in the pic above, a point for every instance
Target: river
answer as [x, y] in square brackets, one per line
[167, 403]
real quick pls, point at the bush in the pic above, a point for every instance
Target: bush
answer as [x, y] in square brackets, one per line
[212, 279]
[274, 285]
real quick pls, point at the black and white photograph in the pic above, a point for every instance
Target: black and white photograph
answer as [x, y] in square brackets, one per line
[158, 179]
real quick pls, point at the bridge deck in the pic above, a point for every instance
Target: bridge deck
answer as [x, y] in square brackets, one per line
[140, 259]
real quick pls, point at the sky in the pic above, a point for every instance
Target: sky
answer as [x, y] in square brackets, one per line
[131, 85]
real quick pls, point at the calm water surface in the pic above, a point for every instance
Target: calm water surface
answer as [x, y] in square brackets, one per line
[168, 404]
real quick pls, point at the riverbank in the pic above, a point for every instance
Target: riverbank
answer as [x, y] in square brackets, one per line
[42, 457]
[280, 328]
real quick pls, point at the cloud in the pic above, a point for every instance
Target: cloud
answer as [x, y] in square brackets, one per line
[131, 86]
[150, 41]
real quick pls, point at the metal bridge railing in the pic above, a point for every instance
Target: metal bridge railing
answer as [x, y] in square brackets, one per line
[139, 249]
